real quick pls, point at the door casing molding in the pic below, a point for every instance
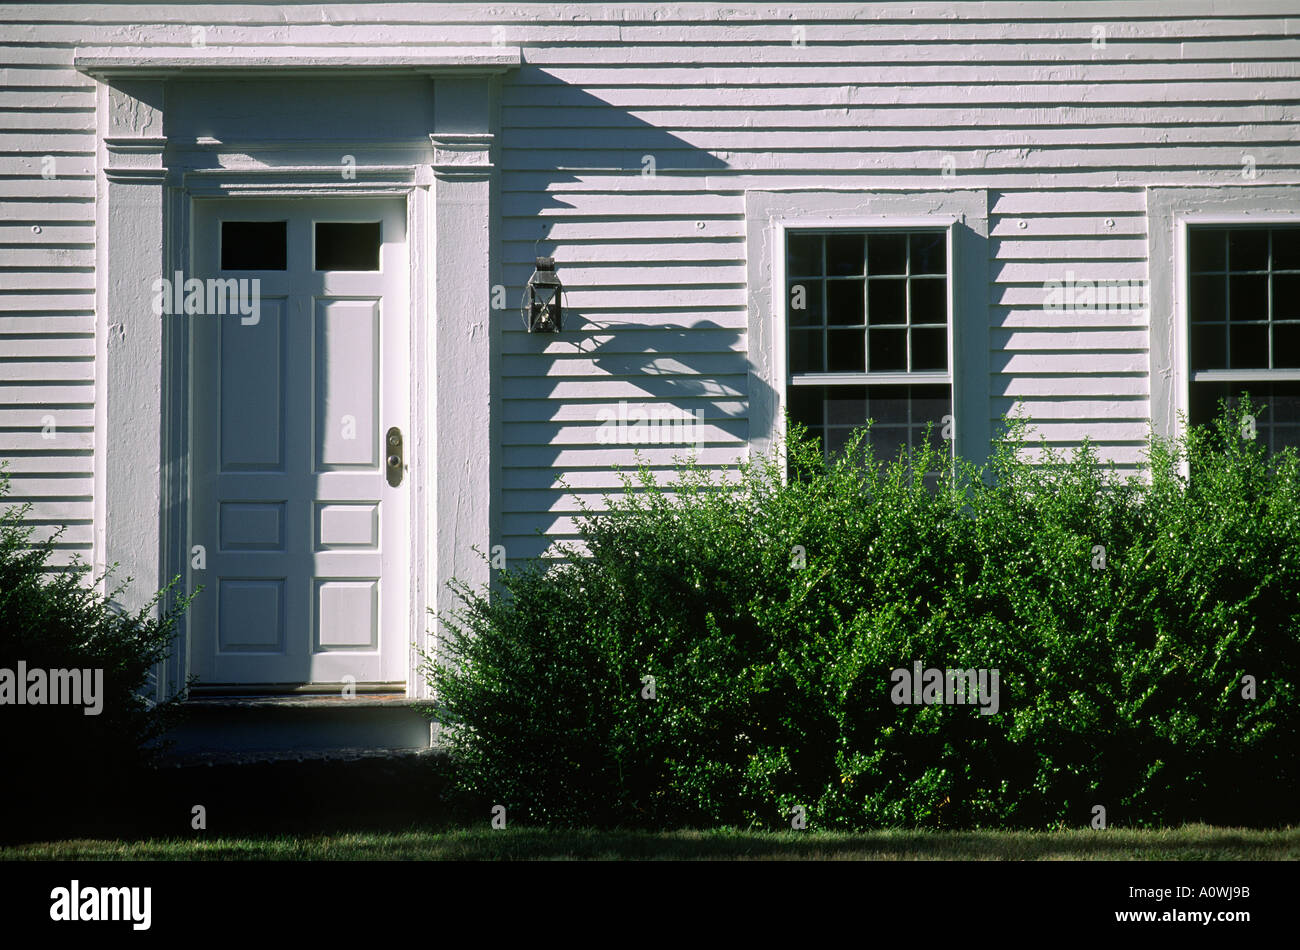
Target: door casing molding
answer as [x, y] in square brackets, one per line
[143, 220]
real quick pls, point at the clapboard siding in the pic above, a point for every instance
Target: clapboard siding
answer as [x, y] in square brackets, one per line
[1015, 96]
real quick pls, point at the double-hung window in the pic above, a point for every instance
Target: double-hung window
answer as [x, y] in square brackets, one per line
[868, 336]
[1243, 296]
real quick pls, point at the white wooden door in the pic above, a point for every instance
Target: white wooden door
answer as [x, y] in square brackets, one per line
[306, 579]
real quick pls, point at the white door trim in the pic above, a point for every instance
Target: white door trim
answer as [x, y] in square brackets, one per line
[272, 185]
[142, 225]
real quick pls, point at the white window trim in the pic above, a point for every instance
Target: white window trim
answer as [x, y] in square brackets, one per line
[1171, 210]
[963, 214]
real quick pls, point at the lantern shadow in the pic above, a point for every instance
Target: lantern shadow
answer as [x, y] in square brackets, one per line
[653, 347]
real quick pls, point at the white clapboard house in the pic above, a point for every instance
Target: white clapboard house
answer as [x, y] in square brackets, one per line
[262, 265]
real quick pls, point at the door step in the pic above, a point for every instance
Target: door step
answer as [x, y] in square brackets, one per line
[298, 727]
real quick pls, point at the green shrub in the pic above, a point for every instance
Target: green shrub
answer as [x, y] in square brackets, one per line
[1120, 670]
[56, 755]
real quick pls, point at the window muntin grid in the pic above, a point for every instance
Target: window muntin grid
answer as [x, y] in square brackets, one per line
[870, 305]
[1244, 325]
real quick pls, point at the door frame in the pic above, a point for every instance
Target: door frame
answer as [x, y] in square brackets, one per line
[274, 184]
[142, 178]
[406, 343]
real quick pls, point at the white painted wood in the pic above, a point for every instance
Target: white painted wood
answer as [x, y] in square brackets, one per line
[288, 420]
[1064, 137]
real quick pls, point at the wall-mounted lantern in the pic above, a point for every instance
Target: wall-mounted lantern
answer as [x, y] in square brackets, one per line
[542, 311]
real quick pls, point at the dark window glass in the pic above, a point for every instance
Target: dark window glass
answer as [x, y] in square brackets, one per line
[844, 255]
[804, 255]
[1256, 299]
[1248, 297]
[1209, 346]
[887, 301]
[1286, 345]
[1248, 345]
[1275, 424]
[806, 351]
[888, 351]
[929, 301]
[347, 245]
[1209, 250]
[1286, 296]
[254, 245]
[844, 351]
[930, 349]
[899, 415]
[887, 254]
[1286, 249]
[844, 302]
[893, 320]
[806, 303]
[1208, 298]
[929, 252]
[1247, 249]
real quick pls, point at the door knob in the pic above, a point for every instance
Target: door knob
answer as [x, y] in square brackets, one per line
[393, 451]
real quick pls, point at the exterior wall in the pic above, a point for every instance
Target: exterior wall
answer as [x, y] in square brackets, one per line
[1014, 98]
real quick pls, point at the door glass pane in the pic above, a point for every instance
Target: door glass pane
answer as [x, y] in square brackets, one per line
[253, 245]
[344, 245]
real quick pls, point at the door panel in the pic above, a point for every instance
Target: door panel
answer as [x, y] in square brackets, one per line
[307, 572]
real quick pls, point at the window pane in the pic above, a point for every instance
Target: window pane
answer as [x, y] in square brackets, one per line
[930, 404]
[805, 255]
[1209, 346]
[845, 405]
[1248, 346]
[1247, 249]
[804, 404]
[1207, 249]
[844, 302]
[929, 301]
[1286, 296]
[1207, 298]
[888, 350]
[845, 352]
[1286, 346]
[1248, 297]
[899, 414]
[844, 254]
[348, 246]
[886, 301]
[889, 405]
[1275, 424]
[1286, 248]
[887, 254]
[806, 351]
[930, 349]
[254, 245]
[806, 303]
[929, 253]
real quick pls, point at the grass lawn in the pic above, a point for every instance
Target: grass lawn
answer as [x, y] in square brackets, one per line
[1188, 843]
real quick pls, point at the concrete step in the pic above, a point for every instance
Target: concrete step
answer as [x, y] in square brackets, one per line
[288, 727]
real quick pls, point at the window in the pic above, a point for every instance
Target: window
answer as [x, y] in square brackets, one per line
[254, 245]
[348, 246]
[868, 336]
[1243, 296]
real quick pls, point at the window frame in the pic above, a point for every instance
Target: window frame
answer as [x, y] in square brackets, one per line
[1171, 212]
[961, 214]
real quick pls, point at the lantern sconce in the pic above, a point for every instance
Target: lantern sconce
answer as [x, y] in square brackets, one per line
[542, 311]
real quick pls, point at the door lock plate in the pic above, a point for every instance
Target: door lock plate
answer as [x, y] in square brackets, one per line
[393, 456]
